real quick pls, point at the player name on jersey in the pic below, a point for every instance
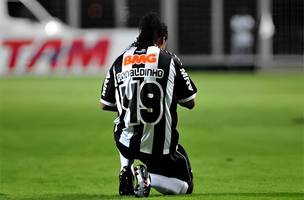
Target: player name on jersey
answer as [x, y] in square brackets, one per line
[140, 72]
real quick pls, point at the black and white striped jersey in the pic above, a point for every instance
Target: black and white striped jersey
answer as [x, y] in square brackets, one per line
[146, 85]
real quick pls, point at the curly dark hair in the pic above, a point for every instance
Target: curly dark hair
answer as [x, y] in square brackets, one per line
[151, 28]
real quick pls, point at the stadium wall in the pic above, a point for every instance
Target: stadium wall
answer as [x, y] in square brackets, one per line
[200, 33]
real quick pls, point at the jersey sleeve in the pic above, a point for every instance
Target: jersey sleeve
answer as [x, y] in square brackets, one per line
[185, 88]
[108, 90]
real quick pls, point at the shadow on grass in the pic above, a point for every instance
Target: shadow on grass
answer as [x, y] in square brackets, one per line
[253, 194]
[156, 196]
[74, 196]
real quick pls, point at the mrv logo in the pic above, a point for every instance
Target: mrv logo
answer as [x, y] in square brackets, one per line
[187, 79]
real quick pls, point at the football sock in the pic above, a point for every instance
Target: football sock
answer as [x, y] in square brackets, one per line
[166, 185]
[124, 162]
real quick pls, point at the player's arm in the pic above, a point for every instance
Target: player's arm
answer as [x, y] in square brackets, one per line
[186, 91]
[108, 108]
[107, 99]
[189, 104]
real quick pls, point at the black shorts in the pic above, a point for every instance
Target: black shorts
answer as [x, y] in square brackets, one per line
[175, 165]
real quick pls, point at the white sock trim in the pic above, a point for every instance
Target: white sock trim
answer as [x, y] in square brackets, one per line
[124, 162]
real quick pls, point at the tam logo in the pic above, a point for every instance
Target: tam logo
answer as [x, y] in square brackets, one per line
[56, 52]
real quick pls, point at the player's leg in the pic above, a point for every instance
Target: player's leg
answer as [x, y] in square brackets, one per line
[168, 185]
[189, 175]
[125, 162]
[126, 177]
[170, 174]
[163, 184]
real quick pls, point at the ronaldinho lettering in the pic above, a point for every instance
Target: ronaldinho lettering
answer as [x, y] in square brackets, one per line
[140, 72]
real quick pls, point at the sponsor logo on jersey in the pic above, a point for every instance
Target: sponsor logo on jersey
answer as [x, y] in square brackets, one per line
[105, 84]
[141, 51]
[186, 78]
[139, 59]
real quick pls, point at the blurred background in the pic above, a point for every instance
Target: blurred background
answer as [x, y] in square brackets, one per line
[245, 138]
[83, 36]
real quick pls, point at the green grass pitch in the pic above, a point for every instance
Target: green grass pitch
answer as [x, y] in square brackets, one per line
[245, 138]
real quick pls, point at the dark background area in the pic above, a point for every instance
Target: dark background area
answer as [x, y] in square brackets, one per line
[194, 24]
[235, 7]
[56, 8]
[288, 18]
[138, 8]
[97, 14]
[194, 20]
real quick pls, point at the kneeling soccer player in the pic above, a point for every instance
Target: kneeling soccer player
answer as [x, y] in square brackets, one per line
[144, 85]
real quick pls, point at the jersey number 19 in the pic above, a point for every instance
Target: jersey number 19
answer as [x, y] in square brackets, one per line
[143, 101]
